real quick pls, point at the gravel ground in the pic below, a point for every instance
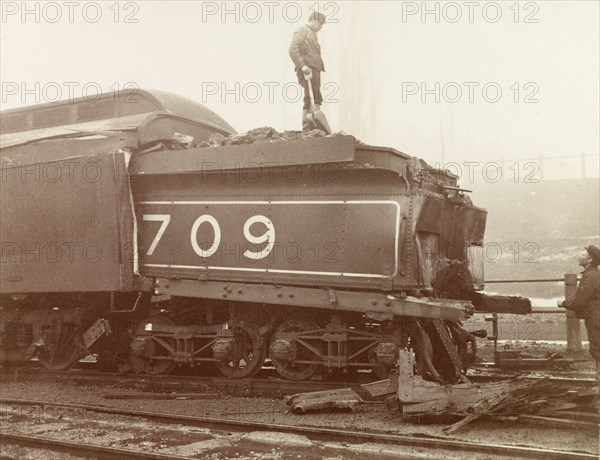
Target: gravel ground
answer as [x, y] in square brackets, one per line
[136, 433]
[364, 417]
[267, 410]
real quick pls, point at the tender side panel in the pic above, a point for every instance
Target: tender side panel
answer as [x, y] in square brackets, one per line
[269, 229]
[306, 238]
[66, 226]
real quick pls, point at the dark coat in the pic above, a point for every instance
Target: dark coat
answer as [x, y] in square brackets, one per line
[587, 297]
[305, 49]
[587, 305]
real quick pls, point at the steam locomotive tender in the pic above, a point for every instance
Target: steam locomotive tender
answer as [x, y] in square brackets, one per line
[126, 235]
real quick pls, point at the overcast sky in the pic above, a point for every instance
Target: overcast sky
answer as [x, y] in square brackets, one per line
[460, 81]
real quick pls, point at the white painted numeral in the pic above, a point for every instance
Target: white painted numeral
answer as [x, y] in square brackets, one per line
[194, 236]
[268, 236]
[165, 219]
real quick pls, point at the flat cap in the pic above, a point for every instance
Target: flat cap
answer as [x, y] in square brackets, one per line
[594, 253]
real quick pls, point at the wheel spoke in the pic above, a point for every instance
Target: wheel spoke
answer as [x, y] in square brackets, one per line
[248, 353]
[62, 348]
[292, 370]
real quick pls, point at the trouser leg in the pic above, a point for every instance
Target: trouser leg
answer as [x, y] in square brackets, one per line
[316, 86]
[591, 324]
[306, 124]
[318, 98]
[304, 84]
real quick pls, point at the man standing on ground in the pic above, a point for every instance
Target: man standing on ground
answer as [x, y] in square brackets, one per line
[587, 301]
[306, 54]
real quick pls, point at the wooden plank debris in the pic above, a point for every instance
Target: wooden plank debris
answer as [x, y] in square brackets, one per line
[345, 398]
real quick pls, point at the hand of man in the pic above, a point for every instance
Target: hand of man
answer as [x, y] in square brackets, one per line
[560, 303]
[307, 71]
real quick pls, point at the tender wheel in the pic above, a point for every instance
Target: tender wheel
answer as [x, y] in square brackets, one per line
[62, 347]
[301, 349]
[147, 348]
[247, 353]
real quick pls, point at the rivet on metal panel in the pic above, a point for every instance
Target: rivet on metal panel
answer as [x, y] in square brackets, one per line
[388, 303]
[226, 287]
[230, 290]
[224, 295]
[374, 302]
[279, 294]
[240, 291]
[291, 295]
[167, 285]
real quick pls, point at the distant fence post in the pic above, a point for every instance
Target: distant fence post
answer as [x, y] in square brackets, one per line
[573, 323]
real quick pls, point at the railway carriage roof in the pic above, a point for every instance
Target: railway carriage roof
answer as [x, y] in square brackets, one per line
[119, 111]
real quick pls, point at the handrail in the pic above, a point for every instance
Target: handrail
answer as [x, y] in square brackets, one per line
[573, 323]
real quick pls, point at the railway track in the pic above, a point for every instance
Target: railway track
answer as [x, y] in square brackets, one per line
[268, 385]
[83, 449]
[316, 436]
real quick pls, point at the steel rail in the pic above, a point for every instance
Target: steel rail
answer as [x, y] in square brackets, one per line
[328, 434]
[281, 386]
[252, 386]
[86, 449]
[276, 387]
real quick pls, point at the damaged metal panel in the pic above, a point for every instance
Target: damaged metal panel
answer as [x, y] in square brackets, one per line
[57, 159]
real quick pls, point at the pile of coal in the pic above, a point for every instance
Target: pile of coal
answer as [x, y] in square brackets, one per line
[261, 135]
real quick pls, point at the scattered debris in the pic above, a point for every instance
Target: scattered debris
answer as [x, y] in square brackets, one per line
[345, 398]
[420, 400]
[517, 360]
[382, 387]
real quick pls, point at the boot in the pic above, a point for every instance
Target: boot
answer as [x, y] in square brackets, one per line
[306, 124]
